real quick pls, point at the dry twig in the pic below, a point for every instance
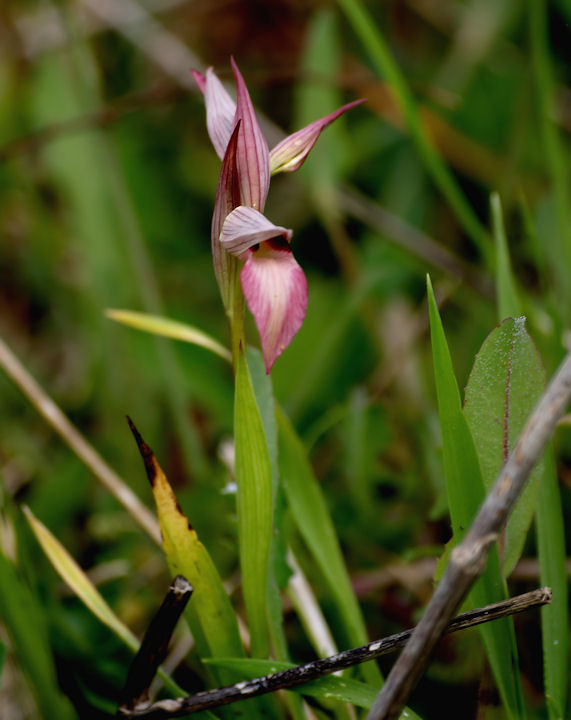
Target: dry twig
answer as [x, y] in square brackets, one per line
[164, 709]
[468, 560]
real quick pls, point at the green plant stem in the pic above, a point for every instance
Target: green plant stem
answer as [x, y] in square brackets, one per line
[235, 314]
[387, 67]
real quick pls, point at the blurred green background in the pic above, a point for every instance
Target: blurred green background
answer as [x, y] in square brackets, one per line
[107, 183]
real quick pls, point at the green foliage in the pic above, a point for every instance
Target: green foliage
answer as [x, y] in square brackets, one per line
[22, 615]
[465, 488]
[552, 561]
[314, 523]
[254, 504]
[504, 386]
[107, 184]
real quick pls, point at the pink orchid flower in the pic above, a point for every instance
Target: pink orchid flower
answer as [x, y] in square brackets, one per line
[274, 285]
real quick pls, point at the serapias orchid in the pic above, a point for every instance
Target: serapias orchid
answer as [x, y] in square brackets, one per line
[274, 285]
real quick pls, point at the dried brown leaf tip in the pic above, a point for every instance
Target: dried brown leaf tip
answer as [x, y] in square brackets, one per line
[151, 465]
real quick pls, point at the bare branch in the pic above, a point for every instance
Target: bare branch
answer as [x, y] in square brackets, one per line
[154, 647]
[164, 709]
[468, 560]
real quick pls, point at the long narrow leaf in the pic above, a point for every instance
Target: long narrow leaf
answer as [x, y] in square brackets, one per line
[77, 580]
[465, 489]
[165, 327]
[254, 503]
[508, 303]
[387, 68]
[552, 561]
[549, 512]
[312, 516]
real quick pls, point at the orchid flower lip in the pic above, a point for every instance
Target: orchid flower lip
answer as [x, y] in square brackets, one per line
[245, 227]
[275, 289]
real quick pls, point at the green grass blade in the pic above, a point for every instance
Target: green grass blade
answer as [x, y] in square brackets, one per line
[555, 152]
[508, 302]
[312, 516]
[254, 505]
[465, 490]
[24, 619]
[262, 384]
[165, 327]
[77, 580]
[552, 563]
[506, 381]
[387, 68]
[2, 660]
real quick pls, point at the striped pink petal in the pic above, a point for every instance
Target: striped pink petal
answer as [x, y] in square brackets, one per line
[245, 227]
[227, 198]
[290, 154]
[275, 289]
[252, 156]
[220, 109]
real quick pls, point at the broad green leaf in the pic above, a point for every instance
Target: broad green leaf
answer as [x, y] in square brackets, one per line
[312, 517]
[210, 612]
[504, 386]
[551, 550]
[254, 504]
[552, 562]
[465, 489]
[24, 619]
[158, 325]
[330, 687]
[508, 303]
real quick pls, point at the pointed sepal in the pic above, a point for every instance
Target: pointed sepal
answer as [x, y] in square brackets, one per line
[290, 153]
[252, 154]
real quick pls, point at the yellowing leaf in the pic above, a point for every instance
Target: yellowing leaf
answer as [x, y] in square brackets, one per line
[211, 615]
[78, 581]
[158, 325]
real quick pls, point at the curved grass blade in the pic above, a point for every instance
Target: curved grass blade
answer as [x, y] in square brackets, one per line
[165, 327]
[506, 381]
[24, 620]
[254, 505]
[312, 517]
[387, 68]
[465, 490]
[77, 580]
[552, 561]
